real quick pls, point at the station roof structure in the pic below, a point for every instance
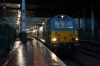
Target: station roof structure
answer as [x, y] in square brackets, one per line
[48, 8]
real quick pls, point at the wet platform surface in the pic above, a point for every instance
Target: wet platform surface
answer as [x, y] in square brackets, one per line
[33, 53]
[24, 56]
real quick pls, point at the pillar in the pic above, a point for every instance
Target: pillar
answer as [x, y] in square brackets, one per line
[84, 21]
[78, 22]
[23, 23]
[3, 40]
[92, 22]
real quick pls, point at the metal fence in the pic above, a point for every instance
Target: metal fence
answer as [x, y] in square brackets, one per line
[7, 37]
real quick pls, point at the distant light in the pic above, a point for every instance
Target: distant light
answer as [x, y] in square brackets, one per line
[17, 22]
[34, 30]
[18, 18]
[41, 28]
[19, 15]
[43, 23]
[19, 12]
[27, 29]
[18, 5]
[4, 7]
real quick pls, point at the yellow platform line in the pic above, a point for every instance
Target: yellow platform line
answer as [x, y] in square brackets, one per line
[38, 60]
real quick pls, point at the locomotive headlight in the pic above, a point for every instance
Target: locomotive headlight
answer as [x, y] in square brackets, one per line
[76, 39]
[54, 39]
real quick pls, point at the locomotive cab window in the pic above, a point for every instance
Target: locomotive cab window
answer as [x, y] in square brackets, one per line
[63, 24]
[57, 24]
[69, 24]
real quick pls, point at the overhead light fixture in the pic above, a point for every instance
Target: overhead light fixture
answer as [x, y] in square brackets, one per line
[19, 12]
[18, 18]
[43, 23]
[19, 15]
[18, 5]
[17, 22]
[4, 7]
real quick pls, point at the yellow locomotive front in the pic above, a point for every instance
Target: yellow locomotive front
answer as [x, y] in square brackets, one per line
[64, 37]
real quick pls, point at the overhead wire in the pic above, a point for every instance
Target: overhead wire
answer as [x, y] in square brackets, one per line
[62, 7]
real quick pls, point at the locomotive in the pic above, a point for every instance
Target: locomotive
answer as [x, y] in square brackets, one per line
[60, 32]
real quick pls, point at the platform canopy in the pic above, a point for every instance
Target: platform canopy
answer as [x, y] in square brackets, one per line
[48, 8]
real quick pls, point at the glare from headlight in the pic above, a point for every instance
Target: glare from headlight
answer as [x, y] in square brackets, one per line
[54, 39]
[76, 39]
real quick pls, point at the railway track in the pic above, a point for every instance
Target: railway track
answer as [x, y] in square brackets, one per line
[89, 52]
[70, 61]
[94, 47]
[87, 60]
[83, 57]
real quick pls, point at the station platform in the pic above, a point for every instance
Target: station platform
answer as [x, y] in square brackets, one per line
[33, 53]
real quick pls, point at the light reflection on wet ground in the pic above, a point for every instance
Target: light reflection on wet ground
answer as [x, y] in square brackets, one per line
[23, 56]
[16, 45]
[27, 55]
[48, 60]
